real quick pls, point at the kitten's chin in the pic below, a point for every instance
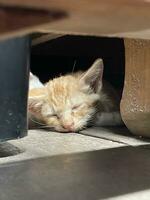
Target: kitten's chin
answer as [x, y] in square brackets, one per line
[62, 130]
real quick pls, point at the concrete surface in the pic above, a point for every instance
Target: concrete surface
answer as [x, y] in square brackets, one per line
[41, 143]
[120, 134]
[116, 166]
[112, 173]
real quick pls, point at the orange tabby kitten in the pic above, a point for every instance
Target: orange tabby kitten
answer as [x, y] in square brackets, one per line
[72, 102]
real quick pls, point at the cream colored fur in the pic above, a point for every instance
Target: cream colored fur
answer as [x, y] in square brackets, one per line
[72, 102]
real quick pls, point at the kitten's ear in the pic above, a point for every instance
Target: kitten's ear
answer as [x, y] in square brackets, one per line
[93, 76]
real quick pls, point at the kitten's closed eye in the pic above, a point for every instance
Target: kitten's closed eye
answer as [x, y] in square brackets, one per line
[76, 107]
[53, 115]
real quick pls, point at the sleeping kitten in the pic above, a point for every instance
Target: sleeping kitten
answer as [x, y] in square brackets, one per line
[72, 102]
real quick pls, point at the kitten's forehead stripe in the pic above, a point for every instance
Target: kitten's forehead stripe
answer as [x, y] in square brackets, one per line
[61, 89]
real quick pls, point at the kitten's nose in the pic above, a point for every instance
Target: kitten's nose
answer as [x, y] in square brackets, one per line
[69, 126]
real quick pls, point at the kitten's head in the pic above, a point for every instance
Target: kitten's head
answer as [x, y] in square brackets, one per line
[67, 103]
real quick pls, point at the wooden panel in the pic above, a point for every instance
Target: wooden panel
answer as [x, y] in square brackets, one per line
[124, 18]
[19, 21]
[135, 105]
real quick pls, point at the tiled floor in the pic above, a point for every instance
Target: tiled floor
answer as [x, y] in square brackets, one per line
[40, 143]
[118, 166]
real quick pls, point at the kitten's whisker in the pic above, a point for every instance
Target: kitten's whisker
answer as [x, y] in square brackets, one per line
[37, 122]
[50, 128]
[74, 64]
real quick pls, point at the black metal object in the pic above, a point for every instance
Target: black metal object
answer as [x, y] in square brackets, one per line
[14, 74]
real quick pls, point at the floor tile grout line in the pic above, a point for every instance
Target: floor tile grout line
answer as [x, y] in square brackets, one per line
[119, 142]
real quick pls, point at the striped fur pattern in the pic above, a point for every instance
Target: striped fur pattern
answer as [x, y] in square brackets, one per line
[72, 102]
